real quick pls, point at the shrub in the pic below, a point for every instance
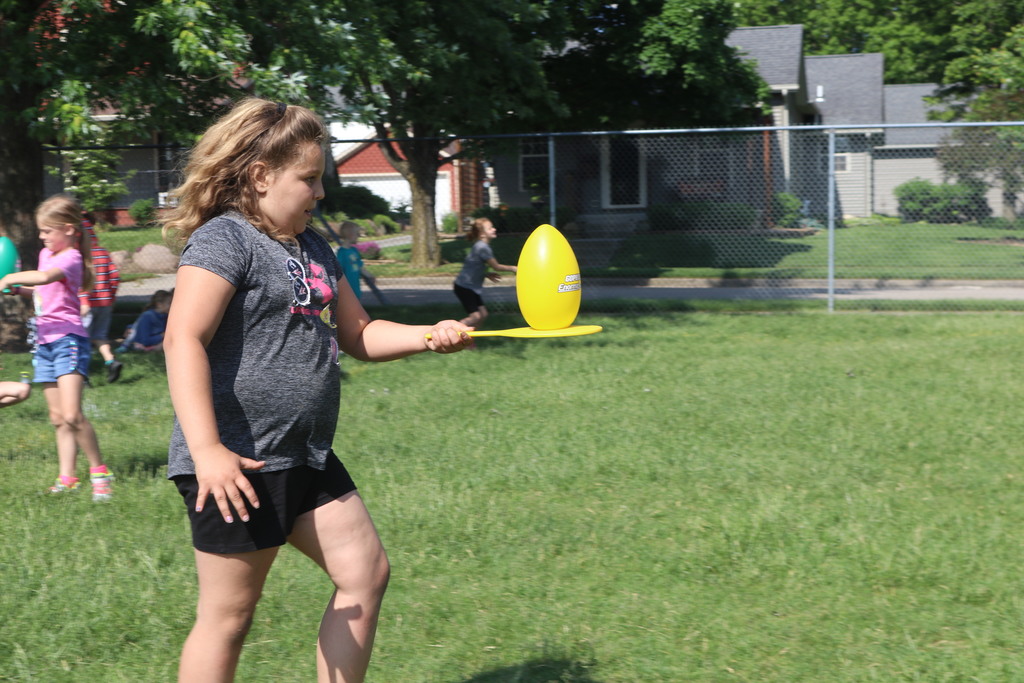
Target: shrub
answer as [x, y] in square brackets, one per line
[92, 176]
[369, 250]
[357, 201]
[143, 212]
[450, 223]
[786, 208]
[701, 215]
[387, 224]
[923, 200]
[368, 227]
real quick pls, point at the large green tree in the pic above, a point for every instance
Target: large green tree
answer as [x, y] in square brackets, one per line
[422, 71]
[414, 70]
[986, 83]
[653, 63]
[166, 66]
[985, 80]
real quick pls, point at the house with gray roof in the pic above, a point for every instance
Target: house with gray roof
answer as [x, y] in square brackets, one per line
[870, 160]
[908, 152]
[616, 184]
[779, 53]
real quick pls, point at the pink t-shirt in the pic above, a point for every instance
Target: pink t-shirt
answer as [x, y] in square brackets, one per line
[57, 308]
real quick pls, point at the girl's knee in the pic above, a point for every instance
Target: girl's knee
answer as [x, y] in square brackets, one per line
[56, 419]
[237, 629]
[233, 625]
[368, 577]
[73, 421]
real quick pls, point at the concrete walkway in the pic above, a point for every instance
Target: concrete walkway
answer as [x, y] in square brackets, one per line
[438, 290]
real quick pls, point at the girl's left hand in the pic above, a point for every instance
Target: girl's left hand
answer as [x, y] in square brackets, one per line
[449, 336]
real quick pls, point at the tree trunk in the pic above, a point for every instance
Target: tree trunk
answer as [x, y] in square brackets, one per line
[417, 161]
[14, 311]
[21, 176]
[426, 252]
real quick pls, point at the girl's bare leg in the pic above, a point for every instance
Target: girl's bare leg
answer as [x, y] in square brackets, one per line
[229, 588]
[341, 538]
[74, 431]
[476, 318]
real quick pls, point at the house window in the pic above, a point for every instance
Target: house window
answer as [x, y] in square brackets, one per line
[533, 166]
[623, 173]
[842, 162]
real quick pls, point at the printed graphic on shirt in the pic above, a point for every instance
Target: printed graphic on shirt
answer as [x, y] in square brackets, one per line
[313, 297]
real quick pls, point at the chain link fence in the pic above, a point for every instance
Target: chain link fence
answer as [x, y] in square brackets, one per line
[897, 215]
[862, 216]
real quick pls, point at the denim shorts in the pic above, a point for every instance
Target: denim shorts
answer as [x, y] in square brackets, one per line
[283, 496]
[64, 356]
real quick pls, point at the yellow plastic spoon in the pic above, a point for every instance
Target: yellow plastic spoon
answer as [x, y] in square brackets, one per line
[529, 332]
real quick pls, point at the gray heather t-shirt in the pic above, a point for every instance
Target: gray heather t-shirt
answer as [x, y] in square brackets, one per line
[274, 357]
[475, 267]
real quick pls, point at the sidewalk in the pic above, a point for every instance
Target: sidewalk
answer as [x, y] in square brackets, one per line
[429, 290]
[141, 290]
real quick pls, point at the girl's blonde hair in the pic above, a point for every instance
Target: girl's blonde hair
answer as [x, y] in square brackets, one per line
[476, 228]
[62, 210]
[217, 174]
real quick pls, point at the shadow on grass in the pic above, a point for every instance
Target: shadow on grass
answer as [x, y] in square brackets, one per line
[137, 366]
[543, 670]
[142, 464]
[705, 249]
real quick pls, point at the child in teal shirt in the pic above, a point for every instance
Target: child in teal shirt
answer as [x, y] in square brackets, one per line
[349, 258]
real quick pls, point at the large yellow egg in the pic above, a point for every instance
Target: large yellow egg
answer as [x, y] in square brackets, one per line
[548, 280]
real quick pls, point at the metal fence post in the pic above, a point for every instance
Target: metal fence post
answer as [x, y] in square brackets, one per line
[551, 180]
[831, 161]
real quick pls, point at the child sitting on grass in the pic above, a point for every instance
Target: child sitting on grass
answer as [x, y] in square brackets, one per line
[147, 332]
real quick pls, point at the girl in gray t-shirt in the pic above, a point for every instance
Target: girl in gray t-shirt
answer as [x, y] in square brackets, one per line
[260, 314]
[469, 285]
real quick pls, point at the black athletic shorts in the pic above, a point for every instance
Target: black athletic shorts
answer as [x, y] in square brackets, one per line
[470, 299]
[283, 496]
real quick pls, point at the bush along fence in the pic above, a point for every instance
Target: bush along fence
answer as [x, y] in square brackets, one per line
[838, 215]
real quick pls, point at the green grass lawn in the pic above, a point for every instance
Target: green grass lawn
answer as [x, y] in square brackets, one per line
[683, 497]
[130, 238]
[864, 250]
[873, 249]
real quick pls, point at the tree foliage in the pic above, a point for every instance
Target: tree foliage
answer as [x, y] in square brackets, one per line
[653, 63]
[155, 65]
[411, 69]
[421, 71]
[986, 83]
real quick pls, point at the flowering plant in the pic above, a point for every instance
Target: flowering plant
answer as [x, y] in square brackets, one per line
[368, 250]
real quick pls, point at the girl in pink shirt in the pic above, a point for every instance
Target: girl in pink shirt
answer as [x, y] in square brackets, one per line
[62, 343]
